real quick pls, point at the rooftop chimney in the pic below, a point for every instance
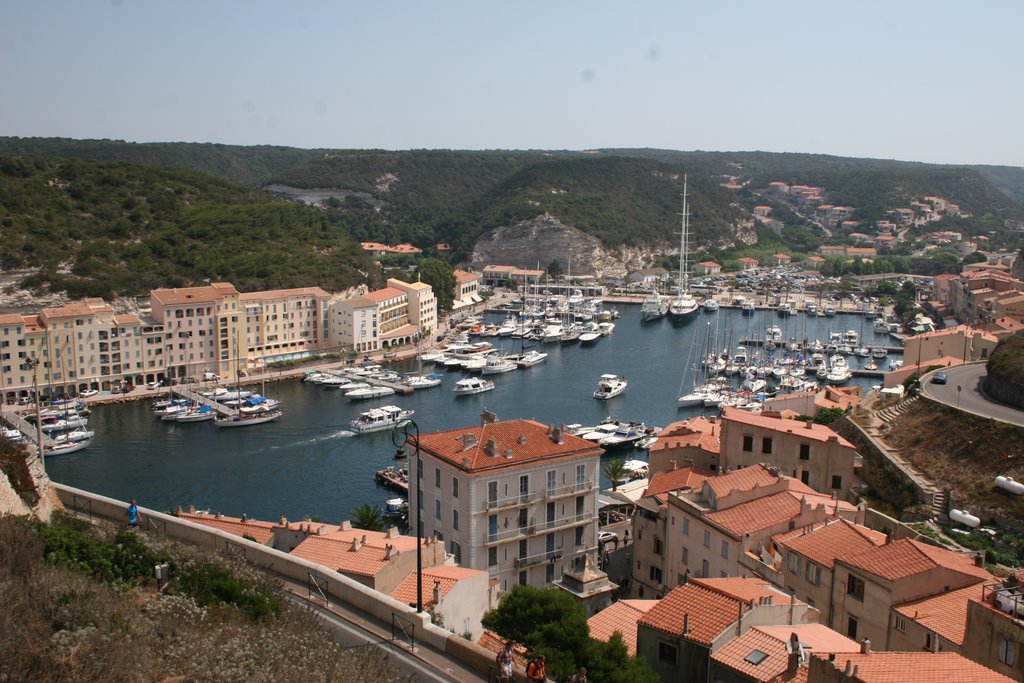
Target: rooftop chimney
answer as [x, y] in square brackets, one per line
[491, 447]
[848, 671]
[793, 650]
[282, 520]
[522, 439]
[508, 453]
[244, 519]
[356, 545]
[346, 525]
[437, 592]
[865, 647]
[487, 417]
[809, 424]
[556, 435]
[686, 624]
[392, 532]
[216, 515]
[364, 538]
[468, 441]
[389, 551]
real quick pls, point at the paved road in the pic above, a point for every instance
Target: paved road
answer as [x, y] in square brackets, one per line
[963, 391]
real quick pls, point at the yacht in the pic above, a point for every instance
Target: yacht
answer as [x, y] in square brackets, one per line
[653, 308]
[839, 372]
[11, 434]
[784, 309]
[198, 414]
[497, 365]
[66, 447]
[423, 381]
[610, 386]
[243, 420]
[472, 385]
[811, 309]
[748, 308]
[684, 307]
[378, 419]
[627, 434]
[879, 352]
[710, 305]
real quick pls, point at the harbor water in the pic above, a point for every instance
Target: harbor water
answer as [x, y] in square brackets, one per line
[307, 463]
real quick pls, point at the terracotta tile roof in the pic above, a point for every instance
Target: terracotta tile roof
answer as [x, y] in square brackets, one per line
[768, 511]
[905, 557]
[697, 432]
[747, 590]
[621, 616]
[338, 555]
[805, 430]
[127, 319]
[709, 611]
[493, 642]
[673, 480]
[945, 613]
[77, 308]
[747, 259]
[193, 295]
[284, 293]
[772, 641]
[259, 531]
[515, 442]
[377, 539]
[446, 578]
[919, 667]
[742, 480]
[823, 543]
[462, 276]
[385, 294]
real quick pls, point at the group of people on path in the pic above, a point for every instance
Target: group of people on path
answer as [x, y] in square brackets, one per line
[536, 668]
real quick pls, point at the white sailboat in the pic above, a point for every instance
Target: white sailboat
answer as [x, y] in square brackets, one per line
[684, 307]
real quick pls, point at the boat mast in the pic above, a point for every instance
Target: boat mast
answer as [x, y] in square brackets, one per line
[684, 277]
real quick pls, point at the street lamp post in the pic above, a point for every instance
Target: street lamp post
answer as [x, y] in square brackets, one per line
[409, 432]
[34, 364]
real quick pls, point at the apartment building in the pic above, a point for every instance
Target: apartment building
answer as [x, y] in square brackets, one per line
[994, 634]
[396, 315]
[514, 498]
[283, 324]
[889, 667]
[812, 453]
[203, 329]
[711, 528]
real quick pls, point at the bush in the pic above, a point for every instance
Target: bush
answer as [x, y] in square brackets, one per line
[124, 559]
[210, 584]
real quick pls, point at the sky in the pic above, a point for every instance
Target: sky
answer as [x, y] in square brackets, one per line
[935, 81]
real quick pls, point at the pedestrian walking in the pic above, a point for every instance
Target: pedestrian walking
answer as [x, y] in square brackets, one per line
[536, 670]
[505, 663]
[133, 514]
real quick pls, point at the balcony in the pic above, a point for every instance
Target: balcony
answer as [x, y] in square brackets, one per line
[512, 501]
[530, 560]
[536, 527]
[568, 490]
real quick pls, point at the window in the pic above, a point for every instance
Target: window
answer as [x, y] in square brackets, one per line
[522, 578]
[581, 475]
[522, 518]
[766, 445]
[725, 549]
[666, 653]
[437, 509]
[805, 477]
[456, 552]
[837, 481]
[686, 525]
[805, 451]
[579, 535]
[437, 478]
[524, 487]
[855, 588]
[551, 481]
[793, 563]
[707, 539]
[1006, 651]
[901, 624]
[492, 527]
[550, 513]
[580, 502]
[455, 520]
[851, 628]
[657, 546]
[748, 443]
[656, 574]
[812, 573]
[686, 557]
[455, 487]
[704, 569]
[492, 493]
[549, 572]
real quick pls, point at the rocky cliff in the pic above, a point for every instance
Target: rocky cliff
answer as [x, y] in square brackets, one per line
[25, 490]
[539, 241]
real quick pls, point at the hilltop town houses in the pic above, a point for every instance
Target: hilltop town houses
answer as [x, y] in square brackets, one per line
[189, 331]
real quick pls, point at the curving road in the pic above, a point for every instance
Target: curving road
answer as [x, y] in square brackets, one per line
[963, 391]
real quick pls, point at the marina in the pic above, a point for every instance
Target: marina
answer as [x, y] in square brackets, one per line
[306, 462]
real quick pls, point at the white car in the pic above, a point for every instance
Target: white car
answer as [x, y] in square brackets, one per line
[605, 536]
[89, 392]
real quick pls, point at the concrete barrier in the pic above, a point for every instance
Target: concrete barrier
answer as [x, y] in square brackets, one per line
[340, 589]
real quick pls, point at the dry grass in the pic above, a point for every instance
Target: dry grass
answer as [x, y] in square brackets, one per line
[59, 625]
[961, 452]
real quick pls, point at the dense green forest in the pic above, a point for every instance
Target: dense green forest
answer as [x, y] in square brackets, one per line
[107, 229]
[132, 215]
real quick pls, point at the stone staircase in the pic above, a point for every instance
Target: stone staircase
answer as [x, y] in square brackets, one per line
[892, 412]
[940, 505]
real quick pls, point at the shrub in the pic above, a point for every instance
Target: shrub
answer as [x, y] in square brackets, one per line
[211, 583]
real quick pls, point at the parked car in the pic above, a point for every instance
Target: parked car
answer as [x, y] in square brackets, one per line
[939, 378]
[605, 536]
[89, 392]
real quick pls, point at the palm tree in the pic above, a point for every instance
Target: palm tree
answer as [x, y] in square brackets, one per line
[368, 517]
[616, 471]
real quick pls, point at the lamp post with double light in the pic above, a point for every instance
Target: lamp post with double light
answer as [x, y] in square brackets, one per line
[408, 432]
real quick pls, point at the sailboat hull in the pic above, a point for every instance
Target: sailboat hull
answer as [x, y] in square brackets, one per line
[683, 316]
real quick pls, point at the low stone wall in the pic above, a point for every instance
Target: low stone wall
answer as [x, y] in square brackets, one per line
[339, 588]
[1004, 391]
[877, 458]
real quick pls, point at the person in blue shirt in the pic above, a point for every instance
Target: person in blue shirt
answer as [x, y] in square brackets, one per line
[133, 514]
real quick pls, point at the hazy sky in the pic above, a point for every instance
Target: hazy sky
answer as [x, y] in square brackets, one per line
[926, 81]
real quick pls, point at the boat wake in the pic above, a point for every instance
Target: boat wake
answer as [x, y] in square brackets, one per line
[340, 434]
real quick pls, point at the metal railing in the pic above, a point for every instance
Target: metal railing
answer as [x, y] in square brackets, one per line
[533, 527]
[530, 560]
[540, 494]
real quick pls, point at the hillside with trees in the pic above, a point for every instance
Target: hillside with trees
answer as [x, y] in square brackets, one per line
[112, 229]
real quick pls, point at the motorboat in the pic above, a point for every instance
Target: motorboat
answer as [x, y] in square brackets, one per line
[598, 432]
[531, 358]
[610, 386]
[63, 424]
[839, 371]
[626, 435]
[497, 365]
[811, 309]
[773, 334]
[472, 385]
[422, 381]
[396, 508]
[246, 420]
[784, 309]
[606, 327]
[378, 419]
[11, 434]
[259, 404]
[74, 436]
[830, 311]
[748, 308]
[710, 306]
[879, 352]
[635, 469]
[368, 392]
